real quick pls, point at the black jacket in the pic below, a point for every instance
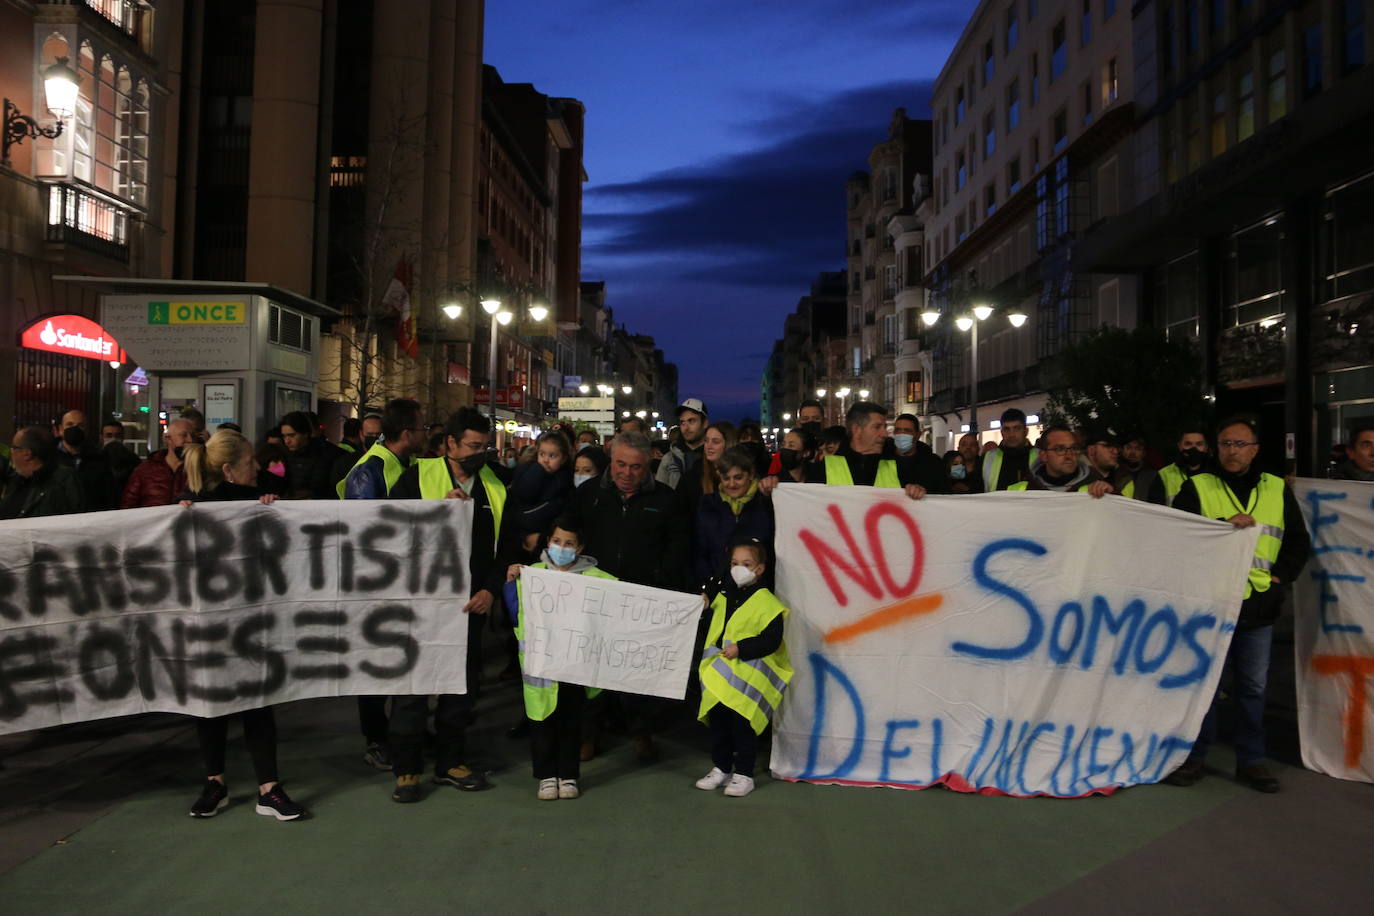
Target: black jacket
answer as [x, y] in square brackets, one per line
[492, 551]
[225, 492]
[92, 469]
[1261, 608]
[921, 468]
[643, 539]
[717, 528]
[51, 490]
[760, 646]
[310, 472]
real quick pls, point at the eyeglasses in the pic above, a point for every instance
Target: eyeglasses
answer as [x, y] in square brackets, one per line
[1063, 449]
[1236, 443]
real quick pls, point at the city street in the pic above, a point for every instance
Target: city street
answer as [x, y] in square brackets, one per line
[94, 819]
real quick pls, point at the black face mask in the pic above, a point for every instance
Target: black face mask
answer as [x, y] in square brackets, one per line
[1191, 457]
[74, 436]
[179, 451]
[813, 427]
[370, 441]
[789, 458]
[473, 463]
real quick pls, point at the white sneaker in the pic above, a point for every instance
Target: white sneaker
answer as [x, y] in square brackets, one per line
[713, 780]
[548, 789]
[739, 786]
[567, 788]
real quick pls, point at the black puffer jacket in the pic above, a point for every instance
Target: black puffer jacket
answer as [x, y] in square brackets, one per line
[642, 539]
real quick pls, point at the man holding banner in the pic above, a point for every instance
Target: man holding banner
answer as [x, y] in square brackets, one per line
[460, 473]
[867, 460]
[1243, 495]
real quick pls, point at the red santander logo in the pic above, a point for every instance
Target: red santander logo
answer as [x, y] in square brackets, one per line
[72, 335]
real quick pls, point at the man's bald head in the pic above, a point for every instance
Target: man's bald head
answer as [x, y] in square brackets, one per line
[73, 418]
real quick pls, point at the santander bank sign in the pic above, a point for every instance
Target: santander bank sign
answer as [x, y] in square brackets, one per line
[72, 335]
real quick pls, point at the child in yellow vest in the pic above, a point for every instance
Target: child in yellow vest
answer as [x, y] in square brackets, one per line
[554, 709]
[744, 669]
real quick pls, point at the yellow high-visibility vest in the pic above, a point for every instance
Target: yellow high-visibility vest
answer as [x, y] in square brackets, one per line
[1265, 505]
[392, 468]
[541, 694]
[1173, 478]
[436, 482]
[837, 473]
[751, 688]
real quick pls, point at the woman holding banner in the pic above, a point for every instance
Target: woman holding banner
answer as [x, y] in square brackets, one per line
[222, 469]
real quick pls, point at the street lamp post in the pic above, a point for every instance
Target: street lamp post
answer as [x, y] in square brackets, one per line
[970, 323]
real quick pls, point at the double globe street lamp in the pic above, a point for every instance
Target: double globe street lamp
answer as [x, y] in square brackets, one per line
[980, 313]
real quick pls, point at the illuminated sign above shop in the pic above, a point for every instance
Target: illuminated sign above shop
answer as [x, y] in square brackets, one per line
[72, 335]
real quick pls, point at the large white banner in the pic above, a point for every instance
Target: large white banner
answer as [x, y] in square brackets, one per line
[1019, 643]
[607, 633]
[1334, 642]
[229, 606]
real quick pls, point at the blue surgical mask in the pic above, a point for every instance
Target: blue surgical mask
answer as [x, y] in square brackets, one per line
[580, 479]
[958, 472]
[561, 556]
[903, 441]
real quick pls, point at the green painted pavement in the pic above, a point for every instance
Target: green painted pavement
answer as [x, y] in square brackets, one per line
[640, 839]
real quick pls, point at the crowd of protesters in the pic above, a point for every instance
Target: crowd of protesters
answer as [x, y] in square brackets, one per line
[690, 512]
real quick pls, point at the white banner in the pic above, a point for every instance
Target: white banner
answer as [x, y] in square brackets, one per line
[1334, 629]
[228, 606]
[1019, 643]
[607, 633]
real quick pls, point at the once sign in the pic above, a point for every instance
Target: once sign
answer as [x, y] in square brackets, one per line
[1017, 643]
[229, 606]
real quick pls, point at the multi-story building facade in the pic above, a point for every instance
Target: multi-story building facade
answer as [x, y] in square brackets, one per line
[1252, 211]
[872, 199]
[911, 365]
[1032, 148]
[814, 351]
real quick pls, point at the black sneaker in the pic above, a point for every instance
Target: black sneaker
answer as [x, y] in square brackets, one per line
[276, 803]
[213, 797]
[376, 757]
[1188, 773]
[1257, 777]
[407, 789]
[464, 778]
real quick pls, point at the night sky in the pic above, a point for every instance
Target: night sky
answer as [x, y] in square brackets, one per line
[719, 137]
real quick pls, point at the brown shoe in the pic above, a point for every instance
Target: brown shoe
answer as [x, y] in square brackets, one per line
[1187, 774]
[588, 750]
[1257, 777]
[645, 751]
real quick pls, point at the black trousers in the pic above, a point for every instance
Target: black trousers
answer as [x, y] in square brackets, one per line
[259, 733]
[556, 742]
[406, 729]
[372, 719]
[733, 742]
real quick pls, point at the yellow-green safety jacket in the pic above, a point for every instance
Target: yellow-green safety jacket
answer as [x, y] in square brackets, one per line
[837, 473]
[1173, 478]
[1128, 491]
[751, 688]
[391, 467]
[541, 694]
[436, 482]
[1265, 505]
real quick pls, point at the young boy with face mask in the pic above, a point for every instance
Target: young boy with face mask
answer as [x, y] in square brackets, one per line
[743, 646]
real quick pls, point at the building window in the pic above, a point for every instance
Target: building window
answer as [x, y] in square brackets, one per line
[1088, 102]
[858, 364]
[989, 134]
[110, 133]
[1190, 25]
[1253, 281]
[1312, 60]
[1043, 229]
[1352, 44]
[990, 199]
[1348, 239]
[960, 172]
[1012, 28]
[1108, 7]
[855, 283]
[889, 335]
[1113, 81]
[890, 386]
[1013, 175]
[1062, 222]
[1035, 153]
[913, 386]
[1278, 86]
[1032, 7]
[1176, 291]
[1245, 106]
[1217, 129]
[1059, 54]
[959, 106]
[1085, 23]
[1034, 78]
[1013, 105]
[128, 15]
[889, 281]
[988, 61]
[889, 184]
[1061, 129]
[960, 228]
[1168, 38]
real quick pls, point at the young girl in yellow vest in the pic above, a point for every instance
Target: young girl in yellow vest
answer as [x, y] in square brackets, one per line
[744, 669]
[554, 710]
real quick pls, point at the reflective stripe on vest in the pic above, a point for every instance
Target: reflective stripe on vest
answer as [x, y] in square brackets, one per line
[837, 473]
[436, 482]
[348, 446]
[541, 694]
[391, 467]
[1265, 505]
[751, 688]
[1173, 478]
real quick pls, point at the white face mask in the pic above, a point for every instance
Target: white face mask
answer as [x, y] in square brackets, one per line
[580, 479]
[742, 575]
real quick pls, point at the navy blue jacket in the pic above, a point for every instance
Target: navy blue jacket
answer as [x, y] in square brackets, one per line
[717, 528]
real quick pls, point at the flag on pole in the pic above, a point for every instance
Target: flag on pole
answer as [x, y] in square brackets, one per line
[397, 299]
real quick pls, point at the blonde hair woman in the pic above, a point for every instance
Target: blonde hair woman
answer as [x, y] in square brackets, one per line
[225, 468]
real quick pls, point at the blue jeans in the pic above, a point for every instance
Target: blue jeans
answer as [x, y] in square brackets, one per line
[1248, 659]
